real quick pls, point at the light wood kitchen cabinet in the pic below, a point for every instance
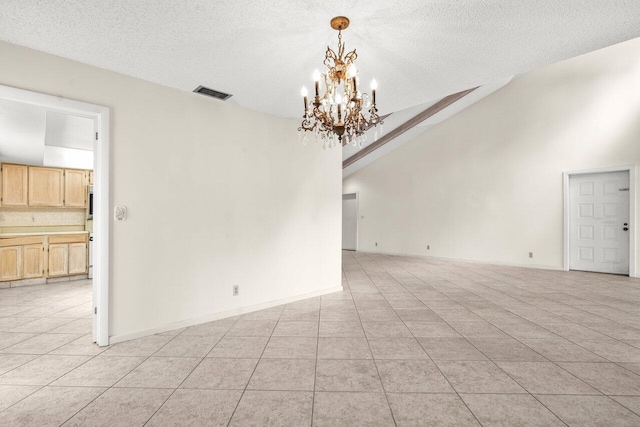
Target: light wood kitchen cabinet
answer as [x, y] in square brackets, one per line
[21, 257]
[77, 258]
[32, 261]
[90, 177]
[14, 185]
[10, 263]
[58, 259]
[46, 186]
[68, 255]
[75, 188]
[31, 257]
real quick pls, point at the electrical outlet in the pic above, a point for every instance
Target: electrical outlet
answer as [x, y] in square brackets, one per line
[530, 254]
[236, 290]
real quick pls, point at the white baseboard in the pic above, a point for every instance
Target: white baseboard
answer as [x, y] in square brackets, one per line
[221, 315]
[472, 261]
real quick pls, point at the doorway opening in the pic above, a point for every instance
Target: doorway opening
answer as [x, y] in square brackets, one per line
[100, 118]
[350, 222]
[599, 217]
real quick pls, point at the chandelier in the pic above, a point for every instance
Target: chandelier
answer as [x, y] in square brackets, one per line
[338, 115]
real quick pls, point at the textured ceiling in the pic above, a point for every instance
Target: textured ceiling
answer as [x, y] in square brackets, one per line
[262, 52]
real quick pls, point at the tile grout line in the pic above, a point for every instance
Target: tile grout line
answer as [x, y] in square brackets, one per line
[315, 369]
[489, 360]
[548, 360]
[57, 378]
[421, 346]
[373, 357]
[254, 369]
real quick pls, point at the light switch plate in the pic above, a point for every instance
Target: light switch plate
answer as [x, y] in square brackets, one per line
[120, 213]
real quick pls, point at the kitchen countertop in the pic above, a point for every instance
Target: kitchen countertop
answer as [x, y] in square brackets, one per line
[42, 233]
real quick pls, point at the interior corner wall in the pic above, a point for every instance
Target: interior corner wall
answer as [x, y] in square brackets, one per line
[487, 184]
[217, 196]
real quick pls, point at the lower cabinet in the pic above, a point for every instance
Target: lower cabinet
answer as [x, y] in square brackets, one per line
[78, 258]
[32, 261]
[10, 263]
[58, 259]
[68, 255]
[43, 256]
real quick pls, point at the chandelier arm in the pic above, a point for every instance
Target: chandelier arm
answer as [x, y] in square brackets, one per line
[306, 126]
[330, 55]
[324, 119]
[350, 57]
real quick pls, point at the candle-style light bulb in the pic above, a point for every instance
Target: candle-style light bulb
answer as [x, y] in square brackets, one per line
[374, 86]
[316, 79]
[352, 71]
[304, 94]
[338, 99]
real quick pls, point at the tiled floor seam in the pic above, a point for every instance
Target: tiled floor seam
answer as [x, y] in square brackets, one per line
[315, 369]
[51, 382]
[105, 389]
[393, 417]
[244, 390]
[187, 376]
[489, 359]
[429, 356]
[518, 340]
[545, 357]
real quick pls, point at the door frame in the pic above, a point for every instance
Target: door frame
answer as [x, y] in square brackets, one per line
[357, 194]
[101, 167]
[632, 212]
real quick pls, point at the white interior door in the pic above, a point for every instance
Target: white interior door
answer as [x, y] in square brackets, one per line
[350, 222]
[599, 222]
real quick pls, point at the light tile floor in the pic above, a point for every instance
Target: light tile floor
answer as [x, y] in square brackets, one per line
[410, 341]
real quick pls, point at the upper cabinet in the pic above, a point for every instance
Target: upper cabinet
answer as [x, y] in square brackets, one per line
[75, 188]
[14, 185]
[24, 185]
[46, 186]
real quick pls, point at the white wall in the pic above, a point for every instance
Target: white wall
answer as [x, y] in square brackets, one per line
[217, 196]
[69, 131]
[487, 184]
[32, 135]
[350, 222]
[22, 129]
[62, 157]
[69, 141]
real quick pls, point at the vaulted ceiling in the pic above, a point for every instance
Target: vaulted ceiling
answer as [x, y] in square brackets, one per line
[264, 52]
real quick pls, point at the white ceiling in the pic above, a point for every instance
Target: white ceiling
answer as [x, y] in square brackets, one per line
[263, 52]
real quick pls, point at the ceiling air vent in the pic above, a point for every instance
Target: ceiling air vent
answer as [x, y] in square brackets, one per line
[212, 93]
